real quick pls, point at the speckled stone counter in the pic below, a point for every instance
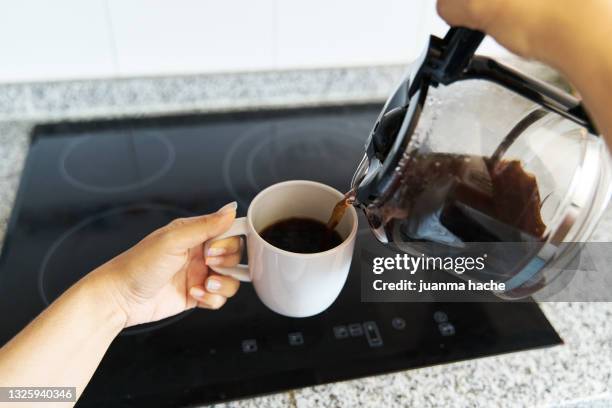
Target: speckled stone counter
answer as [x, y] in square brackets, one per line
[576, 374]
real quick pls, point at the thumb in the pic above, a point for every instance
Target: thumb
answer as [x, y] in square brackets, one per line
[475, 14]
[185, 233]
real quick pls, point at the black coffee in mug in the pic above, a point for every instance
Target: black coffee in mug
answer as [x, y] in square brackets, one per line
[301, 235]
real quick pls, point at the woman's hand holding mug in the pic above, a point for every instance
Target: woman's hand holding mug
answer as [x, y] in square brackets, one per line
[168, 272]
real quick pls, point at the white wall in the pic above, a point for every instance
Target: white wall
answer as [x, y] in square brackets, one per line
[71, 39]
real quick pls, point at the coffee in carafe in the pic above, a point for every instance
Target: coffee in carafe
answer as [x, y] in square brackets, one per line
[452, 198]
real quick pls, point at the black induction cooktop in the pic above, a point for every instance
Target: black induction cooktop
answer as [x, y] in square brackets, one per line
[92, 189]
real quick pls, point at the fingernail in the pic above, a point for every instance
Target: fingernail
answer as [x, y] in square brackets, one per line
[213, 261]
[213, 285]
[228, 208]
[215, 251]
[213, 302]
[196, 292]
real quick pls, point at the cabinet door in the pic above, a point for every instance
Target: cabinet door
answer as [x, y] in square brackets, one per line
[350, 32]
[59, 39]
[154, 37]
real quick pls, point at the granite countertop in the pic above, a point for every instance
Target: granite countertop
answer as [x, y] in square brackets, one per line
[576, 374]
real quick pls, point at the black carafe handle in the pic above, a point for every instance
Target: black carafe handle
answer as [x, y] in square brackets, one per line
[454, 53]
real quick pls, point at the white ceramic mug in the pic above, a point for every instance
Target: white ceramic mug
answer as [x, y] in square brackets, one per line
[289, 283]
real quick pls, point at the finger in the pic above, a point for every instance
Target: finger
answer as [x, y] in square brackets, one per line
[225, 261]
[207, 300]
[514, 24]
[222, 285]
[185, 233]
[224, 246]
[467, 13]
[212, 302]
[196, 268]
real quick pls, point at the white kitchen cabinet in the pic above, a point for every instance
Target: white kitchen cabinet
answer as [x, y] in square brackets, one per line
[159, 37]
[74, 39]
[327, 33]
[59, 39]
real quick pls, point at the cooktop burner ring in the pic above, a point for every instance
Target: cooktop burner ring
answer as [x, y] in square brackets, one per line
[134, 158]
[250, 162]
[331, 134]
[229, 159]
[87, 222]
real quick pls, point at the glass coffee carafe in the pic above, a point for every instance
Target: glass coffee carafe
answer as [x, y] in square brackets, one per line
[469, 156]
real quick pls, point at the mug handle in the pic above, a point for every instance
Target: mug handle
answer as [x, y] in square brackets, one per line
[240, 271]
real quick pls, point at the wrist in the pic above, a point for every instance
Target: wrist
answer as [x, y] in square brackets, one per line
[572, 38]
[100, 288]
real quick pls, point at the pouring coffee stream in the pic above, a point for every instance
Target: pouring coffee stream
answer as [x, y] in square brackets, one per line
[339, 210]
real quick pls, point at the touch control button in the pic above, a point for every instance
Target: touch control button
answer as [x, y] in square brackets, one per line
[341, 332]
[296, 339]
[249, 346]
[355, 329]
[446, 329]
[372, 334]
[440, 317]
[398, 323]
